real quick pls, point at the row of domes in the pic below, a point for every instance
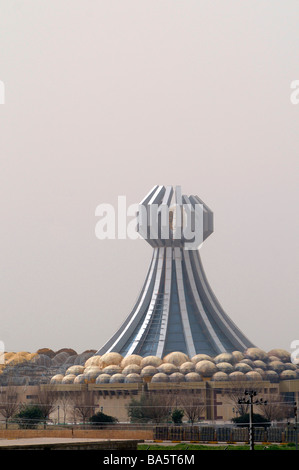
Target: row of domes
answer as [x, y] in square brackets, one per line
[253, 364]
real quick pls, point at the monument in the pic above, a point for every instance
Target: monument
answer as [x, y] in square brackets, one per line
[176, 309]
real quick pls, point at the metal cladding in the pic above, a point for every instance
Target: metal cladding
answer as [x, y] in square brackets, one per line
[176, 309]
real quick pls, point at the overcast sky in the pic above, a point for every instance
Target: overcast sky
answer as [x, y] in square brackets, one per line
[106, 98]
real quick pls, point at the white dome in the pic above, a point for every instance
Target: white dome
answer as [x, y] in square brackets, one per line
[160, 377]
[117, 378]
[132, 369]
[206, 368]
[176, 358]
[132, 359]
[133, 378]
[187, 367]
[193, 377]
[111, 358]
[177, 377]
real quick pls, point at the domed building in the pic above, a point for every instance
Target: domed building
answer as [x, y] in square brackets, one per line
[177, 340]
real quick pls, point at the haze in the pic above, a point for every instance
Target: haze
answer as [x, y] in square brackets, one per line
[109, 98]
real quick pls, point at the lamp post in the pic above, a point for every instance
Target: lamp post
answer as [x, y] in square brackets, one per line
[251, 394]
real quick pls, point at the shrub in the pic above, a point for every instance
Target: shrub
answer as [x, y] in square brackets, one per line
[101, 418]
[29, 417]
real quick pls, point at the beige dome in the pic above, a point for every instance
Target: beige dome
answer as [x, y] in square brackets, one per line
[272, 376]
[168, 368]
[253, 375]
[132, 359]
[92, 372]
[273, 358]
[243, 367]
[237, 376]
[160, 377]
[248, 361]
[260, 364]
[151, 361]
[187, 367]
[133, 378]
[79, 379]
[75, 370]
[288, 375]
[93, 361]
[56, 379]
[103, 379]
[117, 378]
[225, 367]
[201, 357]
[148, 371]
[109, 359]
[277, 366]
[68, 379]
[224, 357]
[8, 355]
[112, 369]
[177, 377]
[221, 376]
[17, 358]
[281, 354]
[206, 368]
[237, 356]
[262, 372]
[176, 358]
[290, 366]
[193, 377]
[255, 354]
[31, 356]
[132, 369]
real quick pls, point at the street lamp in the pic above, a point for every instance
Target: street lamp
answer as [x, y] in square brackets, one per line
[251, 394]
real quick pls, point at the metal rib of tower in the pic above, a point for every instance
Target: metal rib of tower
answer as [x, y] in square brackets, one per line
[176, 309]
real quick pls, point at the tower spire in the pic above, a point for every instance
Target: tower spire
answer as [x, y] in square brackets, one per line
[176, 309]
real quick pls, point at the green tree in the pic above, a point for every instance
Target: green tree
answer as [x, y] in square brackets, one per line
[258, 419]
[177, 416]
[101, 418]
[29, 416]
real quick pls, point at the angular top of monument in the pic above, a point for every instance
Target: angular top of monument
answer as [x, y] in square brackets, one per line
[168, 218]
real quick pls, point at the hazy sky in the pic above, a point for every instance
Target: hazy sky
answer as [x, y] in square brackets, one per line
[109, 98]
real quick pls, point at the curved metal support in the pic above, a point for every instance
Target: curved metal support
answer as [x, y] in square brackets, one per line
[142, 330]
[166, 306]
[120, 338]
[191, 351]
[223, 321]
[213, 336]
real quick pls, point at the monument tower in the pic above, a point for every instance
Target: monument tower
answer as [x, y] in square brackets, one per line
[176, 309]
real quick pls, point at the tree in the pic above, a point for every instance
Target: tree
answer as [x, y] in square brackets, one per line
[46, 399]
[237, 392]
[84, 404]
[277, 408]
[243, 420]
[9, 402]
[65, 401]
[177, 416]
[192, 404]
[29, 416]
[101, 418]
[150, 408]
